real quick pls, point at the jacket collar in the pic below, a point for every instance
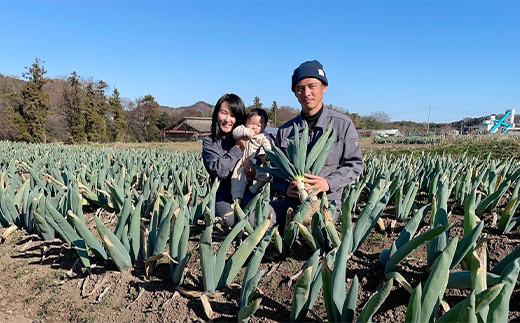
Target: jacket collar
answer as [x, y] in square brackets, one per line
[323, 120]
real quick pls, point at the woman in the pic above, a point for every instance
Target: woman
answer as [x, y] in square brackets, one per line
[220, 151]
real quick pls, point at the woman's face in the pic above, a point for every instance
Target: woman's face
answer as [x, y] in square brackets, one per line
[226, 119]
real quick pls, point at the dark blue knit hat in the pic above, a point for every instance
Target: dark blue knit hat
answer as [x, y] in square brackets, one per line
[307, 69]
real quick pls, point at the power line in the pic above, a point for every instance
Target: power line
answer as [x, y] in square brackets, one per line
[415, 109]
[460, 110]
[397, 114]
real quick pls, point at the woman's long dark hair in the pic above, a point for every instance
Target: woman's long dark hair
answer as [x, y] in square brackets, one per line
[238, 109]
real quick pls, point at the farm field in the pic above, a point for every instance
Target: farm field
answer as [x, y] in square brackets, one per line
[45, 279]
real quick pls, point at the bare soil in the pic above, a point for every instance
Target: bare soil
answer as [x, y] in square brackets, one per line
[43, 282]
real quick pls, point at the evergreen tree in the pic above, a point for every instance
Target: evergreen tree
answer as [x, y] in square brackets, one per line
[256, 103]
[31, 105]
[272, 114]
[118, 121]
[103, 106]
[95, 124]
[9, 117]
[164, 121]
[101, 99]
[20, 124]
[74, 109]
[150, 110]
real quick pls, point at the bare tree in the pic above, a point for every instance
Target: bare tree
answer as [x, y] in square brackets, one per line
[285, 113]
[380, 116]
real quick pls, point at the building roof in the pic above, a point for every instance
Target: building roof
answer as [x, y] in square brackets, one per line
[387, 132]
[202, 125]
[181, 131]
[199, 124]
[393, 132]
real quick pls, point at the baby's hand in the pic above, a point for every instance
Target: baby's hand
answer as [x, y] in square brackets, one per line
[242, 143]
[241, 132]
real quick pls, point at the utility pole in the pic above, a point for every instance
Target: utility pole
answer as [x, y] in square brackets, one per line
[428, 128]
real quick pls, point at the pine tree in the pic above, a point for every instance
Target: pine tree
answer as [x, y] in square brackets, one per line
[256, 104]
[118, 122]
[95, 124]
[272, 114]
[21, 125]
[31, 105]
[101, 99]
[74, 109]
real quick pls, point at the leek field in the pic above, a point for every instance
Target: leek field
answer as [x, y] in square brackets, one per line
[429, 232]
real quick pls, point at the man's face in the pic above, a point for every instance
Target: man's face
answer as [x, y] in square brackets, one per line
[309, 93]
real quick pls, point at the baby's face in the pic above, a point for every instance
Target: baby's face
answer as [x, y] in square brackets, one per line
[255, 124]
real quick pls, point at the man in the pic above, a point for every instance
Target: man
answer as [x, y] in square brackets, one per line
[344, 163]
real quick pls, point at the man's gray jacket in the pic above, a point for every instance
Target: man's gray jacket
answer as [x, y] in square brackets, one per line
[344, 163]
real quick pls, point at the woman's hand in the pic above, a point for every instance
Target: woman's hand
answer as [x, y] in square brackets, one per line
[242, 143]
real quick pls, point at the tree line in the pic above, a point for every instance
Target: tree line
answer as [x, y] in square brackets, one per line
[77, 110]
[278, 116]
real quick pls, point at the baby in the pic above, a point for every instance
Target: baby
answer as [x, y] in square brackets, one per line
[254, 130]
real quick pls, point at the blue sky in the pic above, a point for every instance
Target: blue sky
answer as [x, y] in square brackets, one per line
[460, 58]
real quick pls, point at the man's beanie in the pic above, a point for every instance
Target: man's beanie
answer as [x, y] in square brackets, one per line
[307, 69]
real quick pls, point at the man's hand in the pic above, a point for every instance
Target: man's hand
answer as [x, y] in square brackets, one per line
[292, 190]
[249, 171]
[316, 182]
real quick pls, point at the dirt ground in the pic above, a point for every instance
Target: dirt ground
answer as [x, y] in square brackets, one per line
[42, 282]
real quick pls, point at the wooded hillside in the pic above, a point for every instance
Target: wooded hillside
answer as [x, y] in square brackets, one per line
[78, 110]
